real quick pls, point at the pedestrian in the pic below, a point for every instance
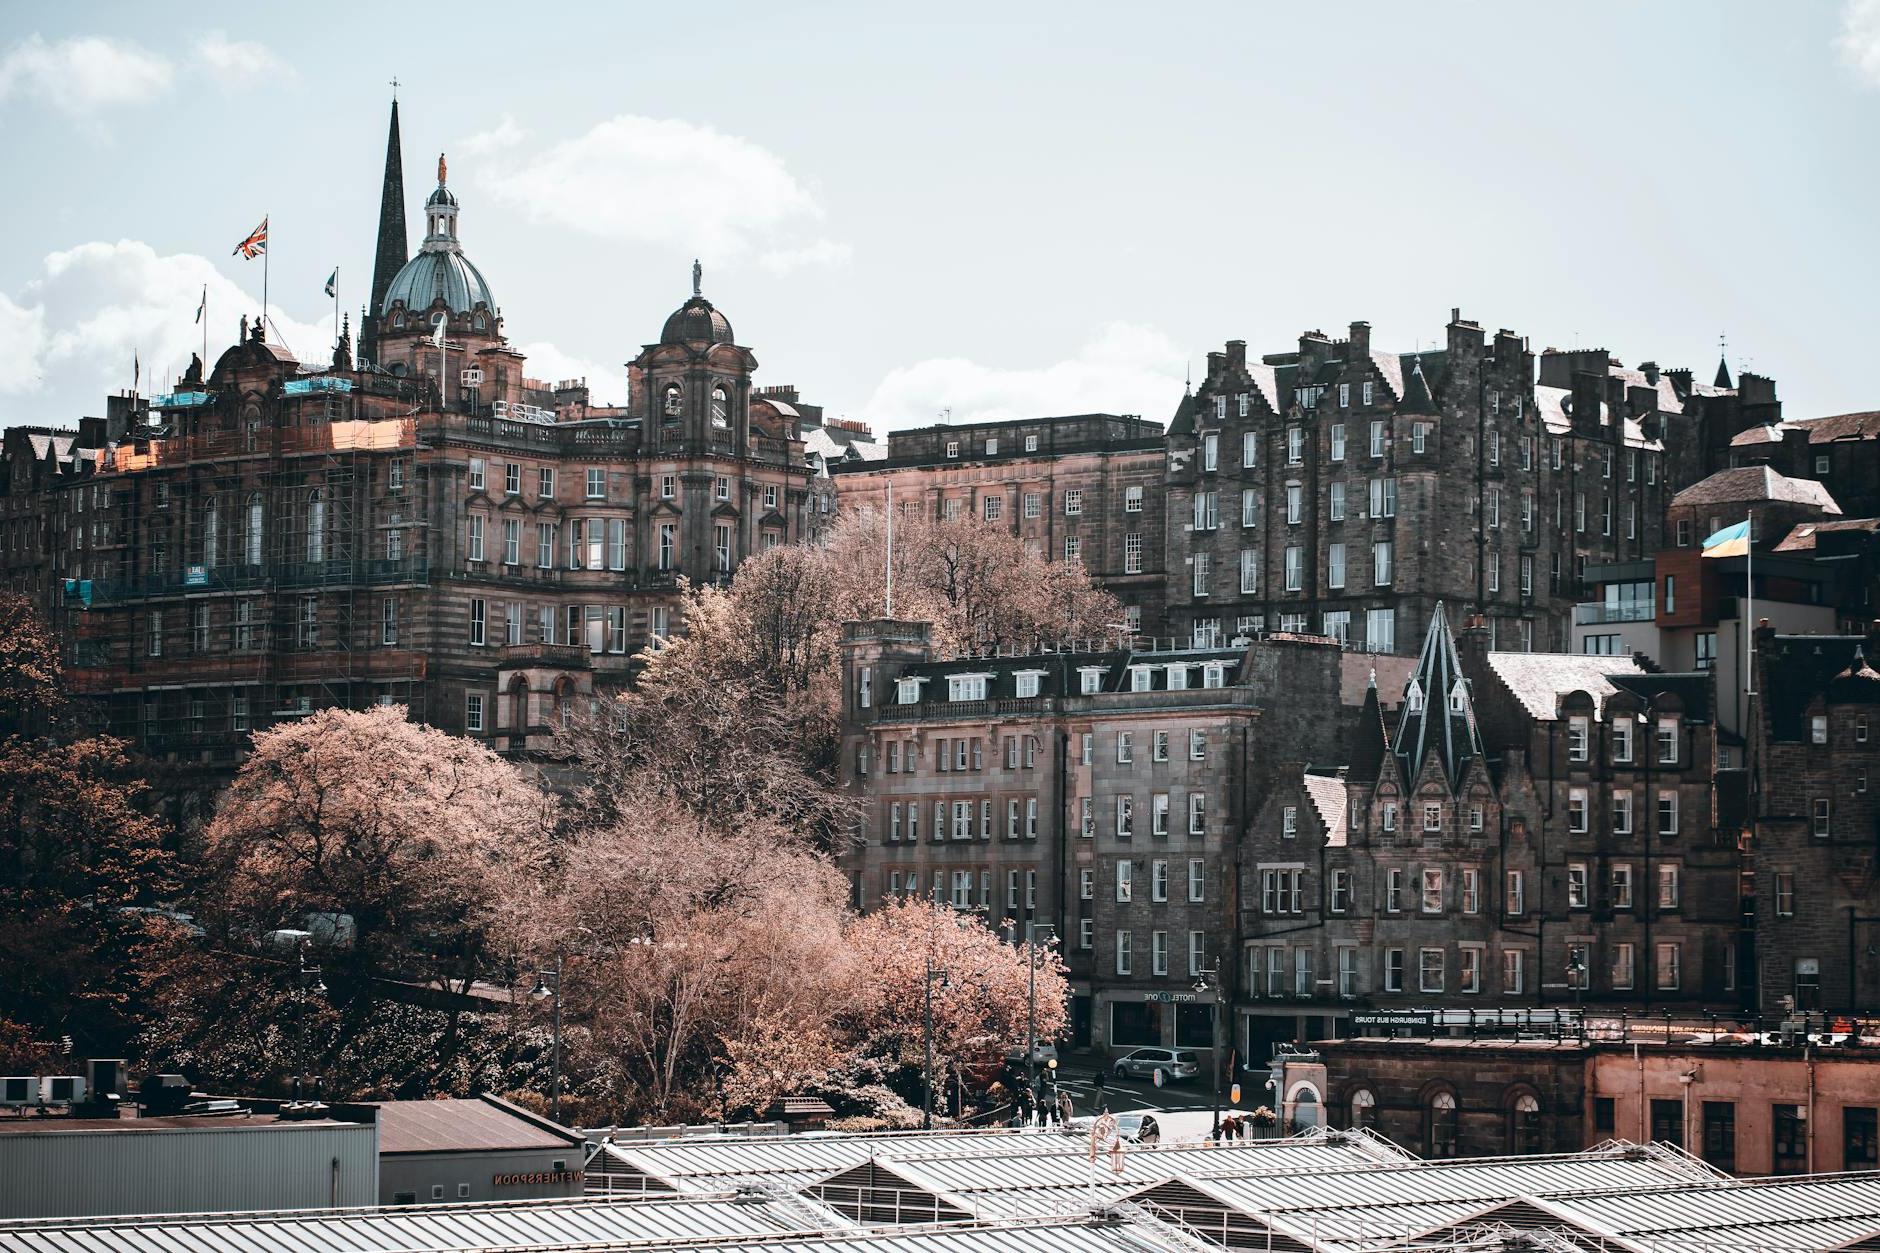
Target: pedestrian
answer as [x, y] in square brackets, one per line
[1064, 1109]
[1100, 1080]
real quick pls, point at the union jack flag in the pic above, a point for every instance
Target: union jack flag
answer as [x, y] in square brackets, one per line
[256, 243]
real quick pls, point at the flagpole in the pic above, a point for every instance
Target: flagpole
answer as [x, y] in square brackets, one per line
[266, 221]
[203, 317]
[1749, 606]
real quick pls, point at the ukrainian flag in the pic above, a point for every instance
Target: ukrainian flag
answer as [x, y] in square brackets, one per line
[1731, 541]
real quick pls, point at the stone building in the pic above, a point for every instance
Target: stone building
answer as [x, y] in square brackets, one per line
[1841, 452]
[1100, 793]
[428, 527]
[1080, 488]
[1817, 872]
[1512, 830]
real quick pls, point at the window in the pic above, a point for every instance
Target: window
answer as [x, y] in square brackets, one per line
[1197, 813]
[1622, 886]
[721, 488]
[1719, 1144]
[1295, 568]
[1576, 739]
[1670, 961]
[1469, 968]
[1621, 813]
[1380, 628]
[1158, 952]
[1511, 966]
[388, 620]
[1389, 819]
[1122, 952]
[1393, 890]
[992, 507]
[1126, 741]
[512, 541]
[1249, 572]
[1158, 814]
[473, 712]
[1295, 504]
[1125, 880]
[199, 627]
[1789, 1133]
[1158, 880]
[1432, 817]
[1335, 503]
[1667, 813]
[1824, 825]
[1073, 502]
[512, 624]
[1430, 970]
[1377, 438]
[1393, 970]
[1341, 891]
[1471, 891]
[1785, 894]
[1576, 886]
[1576, 810]
[1289, 822]
[1668, 885]
[1860, 1145]
[475, 550]
[1282, 891]
[596, 483]
[1384, 498]
[1295, 445]
[1622, 739]
[1671, 593]
[1203, 571]
[966, 687]
[1125, 817]
[1034, 505]
[1197, 879]
[1210, 451]
[1432, 891]
[721, 546]
[1025, 683]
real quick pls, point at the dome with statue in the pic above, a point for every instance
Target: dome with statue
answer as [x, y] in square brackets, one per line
[440, 271]
[696, 321]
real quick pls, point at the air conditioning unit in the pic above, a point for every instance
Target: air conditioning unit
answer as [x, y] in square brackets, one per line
[19, 1090]
[63, 1089]
[473, 377]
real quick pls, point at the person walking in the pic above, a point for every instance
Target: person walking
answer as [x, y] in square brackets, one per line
[1064, 1109]
[1097, 1097]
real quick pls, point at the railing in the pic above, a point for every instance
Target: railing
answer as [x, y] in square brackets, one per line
[563, 656]
[1592, 613]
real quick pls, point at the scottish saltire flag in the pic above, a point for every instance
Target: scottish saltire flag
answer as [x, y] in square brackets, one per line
[332, 282]
[1731, 541]
[255, 244]
[204, 304]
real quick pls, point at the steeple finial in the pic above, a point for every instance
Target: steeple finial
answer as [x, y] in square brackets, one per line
[698, 278]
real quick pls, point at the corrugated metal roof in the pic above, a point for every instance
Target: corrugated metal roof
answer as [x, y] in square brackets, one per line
[432, 1227]
[1819, 1212]
[460, 1124]
[708, 1164]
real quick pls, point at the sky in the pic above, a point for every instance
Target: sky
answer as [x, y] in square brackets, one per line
[963, 211]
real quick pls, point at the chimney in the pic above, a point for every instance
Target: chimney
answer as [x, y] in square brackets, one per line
[1360, 340]
[1237, 354]
[1650, 370]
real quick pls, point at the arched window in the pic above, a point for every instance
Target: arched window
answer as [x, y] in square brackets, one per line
[316, 528]
[721, 407]
[1363, 1108]
[211, 536]
[519, 703]
[1443, 1123]
[675, 400]
[251, 534]
[564, 704]
[480, 322]
[1524, 1124]
[1307, 1110]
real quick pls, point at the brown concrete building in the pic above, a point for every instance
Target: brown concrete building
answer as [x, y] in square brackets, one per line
[430, 527]
[1081, 488]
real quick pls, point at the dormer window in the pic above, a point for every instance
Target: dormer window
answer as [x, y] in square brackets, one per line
[907, 691]
[1458, 698]
[1413, 698]
[1026, 682]
[720, 408]
[966, 686]
[1139, 679]
[1177, 678]
[1213, 675]
[1092, 680]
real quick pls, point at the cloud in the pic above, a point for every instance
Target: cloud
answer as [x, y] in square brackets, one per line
[1124, 368]
[1859, 40]
[504, 135]
[607, 385]
[82, 76]
[662, 182]
[89, 309]
[240, 64]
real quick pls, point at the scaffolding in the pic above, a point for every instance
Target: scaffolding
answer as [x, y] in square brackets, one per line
[241, 573]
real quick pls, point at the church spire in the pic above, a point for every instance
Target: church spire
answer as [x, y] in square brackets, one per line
[393, 244]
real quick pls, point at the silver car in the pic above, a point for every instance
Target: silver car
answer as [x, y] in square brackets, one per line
[1175, 1064]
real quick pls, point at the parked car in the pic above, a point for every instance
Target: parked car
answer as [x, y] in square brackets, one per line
[1043, 1053]
[1175, 1064]
[1135, 1127]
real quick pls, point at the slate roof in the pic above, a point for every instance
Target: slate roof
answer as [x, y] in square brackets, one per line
[1802, 538]
[1691, 689]
[1840, 426]
[1747, 484]
[1552, 403]
[1329, 798]
[1537, 680]
[1442, 718]
[1766, 433]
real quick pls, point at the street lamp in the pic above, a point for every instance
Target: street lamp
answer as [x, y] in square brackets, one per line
[1031, 1002]
[1209, 981]
[926, 1036]
[548, 986]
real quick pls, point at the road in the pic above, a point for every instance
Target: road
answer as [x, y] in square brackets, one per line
[1121, 1095]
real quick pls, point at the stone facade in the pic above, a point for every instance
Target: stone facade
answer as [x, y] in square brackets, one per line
[432, 528]
[1084, 488]
[1817, 874]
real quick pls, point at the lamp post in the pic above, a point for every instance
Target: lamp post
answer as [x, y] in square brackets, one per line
[548, 985]
[310, 984]
[926, 1036]
[1031, 1002]
[1209, 981]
